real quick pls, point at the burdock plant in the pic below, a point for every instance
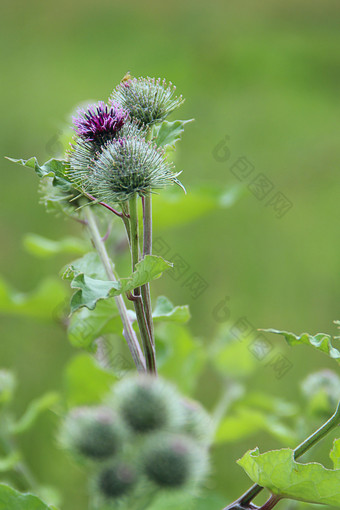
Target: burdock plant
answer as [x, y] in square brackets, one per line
[142, 441]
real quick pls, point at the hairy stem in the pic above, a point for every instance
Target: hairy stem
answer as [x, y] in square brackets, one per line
[148, 345]
[271, 502]
[128, 332]
[147, 250]
[300, 450]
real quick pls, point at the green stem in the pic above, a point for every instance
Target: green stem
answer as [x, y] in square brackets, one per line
[147, 250]
[300, 450]
[147, 342]
[8, 446]
[128, 332]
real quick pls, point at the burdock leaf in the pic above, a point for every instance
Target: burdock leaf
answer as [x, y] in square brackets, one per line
[320, 341]
[168, 133]
[85, 381]
[86, 325]
[33, 411]
[335, 454]
[246, 422]
[91, 290]
[11, 499]
[41, 303]
[55, 168]
[43, 247]
[282, 475]
[165, 311]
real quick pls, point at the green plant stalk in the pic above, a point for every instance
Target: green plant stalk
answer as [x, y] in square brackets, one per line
[300, 450]
[128, 332]
[8, 446]
[149, 349]
[147, 250]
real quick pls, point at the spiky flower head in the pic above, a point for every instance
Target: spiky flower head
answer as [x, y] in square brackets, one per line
[116, 480]
[124, 167]
[173, 461]
[147, 99]
[99, 123]
[83, 153]
[148, 404]
[92, 432]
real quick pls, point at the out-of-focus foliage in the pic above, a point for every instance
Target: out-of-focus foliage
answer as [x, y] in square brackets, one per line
[268, 77]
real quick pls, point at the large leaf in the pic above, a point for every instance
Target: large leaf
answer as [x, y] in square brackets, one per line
[33, 411]
[41, 303]
[86, 325]
[245, 422]
[335, 454]
[196, 204]
[11, 499]
[90, 290]
[320, 341]
[183, 357]
[85, 381]
[282, 475]
[168, 133]
[42, 247]
[165, 311]
[55, 168]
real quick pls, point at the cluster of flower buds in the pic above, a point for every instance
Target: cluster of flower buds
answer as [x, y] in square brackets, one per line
[111, 158]
[146, 437]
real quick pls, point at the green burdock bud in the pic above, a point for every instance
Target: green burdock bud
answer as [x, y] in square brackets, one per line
[197, 422]
[93, 433]
[125, 167]
[173, 461]
[148, 404]
[116, 480]
[148, 100]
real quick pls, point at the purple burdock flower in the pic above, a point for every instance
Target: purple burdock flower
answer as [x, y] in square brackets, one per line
[99, 123]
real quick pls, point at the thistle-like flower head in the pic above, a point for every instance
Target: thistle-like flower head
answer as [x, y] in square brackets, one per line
[148, 100]
[99, 123]
[127, 166]
[83, 153]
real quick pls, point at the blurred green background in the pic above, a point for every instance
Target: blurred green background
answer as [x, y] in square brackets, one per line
[267, 75]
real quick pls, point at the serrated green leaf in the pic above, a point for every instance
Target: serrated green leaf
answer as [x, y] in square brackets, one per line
[33, 411]
[335, 454]
[85, 381]
[43, 247]
[168, 133]
[55, 168]
[282, 475]
[11, 499]
[245, 422]
[90, 264]
[320, 341]
[41, 303]
[166, 311]
[90, 290]
[86, 325]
